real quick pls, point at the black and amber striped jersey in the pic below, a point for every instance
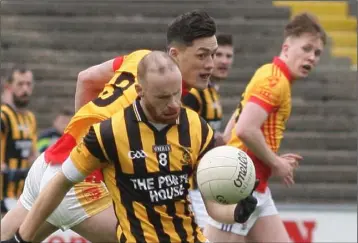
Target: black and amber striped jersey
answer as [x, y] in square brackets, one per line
[148, 170]
[18, 142]
[207, 103]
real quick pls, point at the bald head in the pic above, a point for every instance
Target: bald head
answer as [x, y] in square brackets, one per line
[159, 87]
[157, 63]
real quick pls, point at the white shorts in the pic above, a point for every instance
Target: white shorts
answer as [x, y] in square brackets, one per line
[10, 203]
[265, 207]
[79, 203]
[198, 207]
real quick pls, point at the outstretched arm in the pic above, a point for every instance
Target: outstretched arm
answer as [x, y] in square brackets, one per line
[45, 204]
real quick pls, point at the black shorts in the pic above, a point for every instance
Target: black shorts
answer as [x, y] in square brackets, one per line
[3, 207]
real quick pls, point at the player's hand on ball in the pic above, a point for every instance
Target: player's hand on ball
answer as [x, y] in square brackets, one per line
[246, 207]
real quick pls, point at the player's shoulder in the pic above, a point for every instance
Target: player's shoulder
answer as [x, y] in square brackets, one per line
[116, 118]
[136, 55]
[31, 114]
[193, 118]
[6, 109]
[130, 62]
[269, 75]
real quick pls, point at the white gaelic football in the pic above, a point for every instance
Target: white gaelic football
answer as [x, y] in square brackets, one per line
[226, 175]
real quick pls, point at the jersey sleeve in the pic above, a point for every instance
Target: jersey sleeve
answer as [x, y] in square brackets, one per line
[267, 93]
[88, 156]
[117, 62]
[192, 101]
[207, 138]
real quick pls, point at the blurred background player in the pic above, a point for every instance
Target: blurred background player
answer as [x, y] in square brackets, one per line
[207, 103]
[50, 135]
[260, 122]
[18, 134]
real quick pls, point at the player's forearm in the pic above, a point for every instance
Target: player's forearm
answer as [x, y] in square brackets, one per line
[255, 141]
[221, 213]
[91, 81]
[228, 129]
[45, 204]
[86, 89]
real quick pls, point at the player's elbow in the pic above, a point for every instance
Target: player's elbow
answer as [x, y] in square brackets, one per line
[243, 132]
[82, 77]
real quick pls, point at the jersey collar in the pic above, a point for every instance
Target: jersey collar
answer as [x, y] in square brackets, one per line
[283, 67]
[185, 89]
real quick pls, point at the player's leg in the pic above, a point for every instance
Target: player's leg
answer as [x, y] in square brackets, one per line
[13, 219]
[268, 229]
[198, 207]
[86, 209]
[104, 222]
[214, 234]
[15, 216]
[269, 226]
[218, 232]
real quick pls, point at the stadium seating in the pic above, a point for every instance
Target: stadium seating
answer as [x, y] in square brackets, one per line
[59, 38]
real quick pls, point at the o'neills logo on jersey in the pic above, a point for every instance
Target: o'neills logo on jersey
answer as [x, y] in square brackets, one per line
[162, 148]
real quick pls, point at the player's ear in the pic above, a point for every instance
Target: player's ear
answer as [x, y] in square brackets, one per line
[139, 89]
[7, 86]
[285, 49]
[173, 52]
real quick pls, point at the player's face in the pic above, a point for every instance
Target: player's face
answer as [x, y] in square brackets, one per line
[21, 88]
[303, 54]
[223, 60]
[196, 62]
[162, 97]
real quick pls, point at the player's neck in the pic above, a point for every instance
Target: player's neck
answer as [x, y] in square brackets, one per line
[215, 82]
[6, 98]
[287, 63]
[13, 106]
[147, 113]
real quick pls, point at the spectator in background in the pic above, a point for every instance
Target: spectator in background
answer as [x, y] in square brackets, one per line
[18, 134]
[50, 135]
